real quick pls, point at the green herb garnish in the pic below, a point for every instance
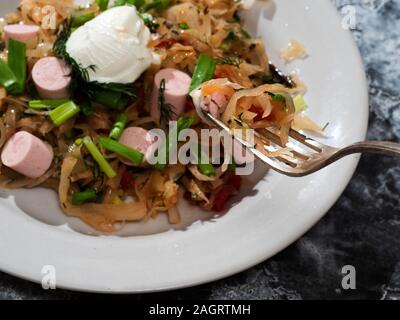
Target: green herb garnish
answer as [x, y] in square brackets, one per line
[156, 4]
[99, 158]
[203, 163]
[103, 4]
[81, 85]
[7, 78]
[45, 104]
[204, 71]
[80, 20]
[168, 146]
[137, 3]
[17, 63]
[63, 113]
[183, 26]
[232, 60]
[79, 198]
[128, 153]
[166, 109]
[119, 127]
[150, 21]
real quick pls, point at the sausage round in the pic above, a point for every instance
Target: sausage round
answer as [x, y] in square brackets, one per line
[51, 77]
[21, 32]
[177, 84]
[138, 139]
[27, 154]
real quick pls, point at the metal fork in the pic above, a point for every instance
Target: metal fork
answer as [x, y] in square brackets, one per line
[309, 155]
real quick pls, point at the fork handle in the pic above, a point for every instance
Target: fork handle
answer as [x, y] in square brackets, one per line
[378, 147]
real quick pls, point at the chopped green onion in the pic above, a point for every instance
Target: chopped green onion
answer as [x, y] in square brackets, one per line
[182, 124]
[149, 21]
[17, 63]
[46, 104]
[86, 107]
[226, 44]
[204, 71]
[7, 78]
[276, 97]
[136, 3]
[156, 4]
[299, 103]
[111, 99]
[103, 4]
[128, 153]
[183, 26]
[80, 20]
[99, 158]
[119, 127]
[79, 198]
[78, 142]
[203, 162]
[64, 112]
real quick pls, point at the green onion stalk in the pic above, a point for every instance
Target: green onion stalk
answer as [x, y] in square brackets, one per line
[63, 113]
[204, 71]
[79, 198]
[118, 127]
[126, 152]
[170, 144]
[99, 158]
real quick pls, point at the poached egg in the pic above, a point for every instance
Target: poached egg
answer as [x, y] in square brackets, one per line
[116, 43]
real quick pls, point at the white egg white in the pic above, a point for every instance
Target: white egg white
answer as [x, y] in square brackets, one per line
[116, 43]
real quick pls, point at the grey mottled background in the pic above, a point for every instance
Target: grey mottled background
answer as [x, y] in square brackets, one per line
[362, 229]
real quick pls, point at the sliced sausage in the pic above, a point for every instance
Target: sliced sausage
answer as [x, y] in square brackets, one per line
[138, 139]
[215, 104]
[51, 77]
[27, 154]
[177, 84]
[21, 32]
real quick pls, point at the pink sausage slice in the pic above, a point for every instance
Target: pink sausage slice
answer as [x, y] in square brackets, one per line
[21, 32]
[27, 155]
[215, 104]
[138, 139]
[51, 77]
[177, 85]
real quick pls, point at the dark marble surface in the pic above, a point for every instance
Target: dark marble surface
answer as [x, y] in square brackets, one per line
[362, 229]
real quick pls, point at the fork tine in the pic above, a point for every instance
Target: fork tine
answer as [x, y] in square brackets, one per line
[254, 150]
[310, 143]
[279, 164]
[277, 140]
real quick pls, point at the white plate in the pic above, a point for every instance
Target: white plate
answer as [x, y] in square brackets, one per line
[273, 214]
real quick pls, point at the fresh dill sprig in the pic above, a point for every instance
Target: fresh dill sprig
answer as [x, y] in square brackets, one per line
[80, 75]
[231, 60]
[166, 109]
[60, 50]
[125, 89]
